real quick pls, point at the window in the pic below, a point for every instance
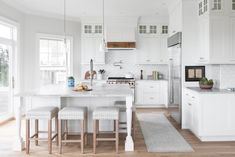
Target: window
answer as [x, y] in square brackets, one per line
[233, 4]
[217, 5]
[54, 59]
[164, 29]
[153, 29]
[142, 29]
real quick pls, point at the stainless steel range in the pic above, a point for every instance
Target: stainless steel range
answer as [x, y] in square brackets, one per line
[121, 80]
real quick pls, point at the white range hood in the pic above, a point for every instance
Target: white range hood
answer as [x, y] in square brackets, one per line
[121, 32]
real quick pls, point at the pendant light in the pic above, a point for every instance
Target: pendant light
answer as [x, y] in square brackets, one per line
[103, 45]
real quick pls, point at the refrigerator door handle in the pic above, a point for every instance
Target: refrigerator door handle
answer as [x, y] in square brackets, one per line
[171, 81]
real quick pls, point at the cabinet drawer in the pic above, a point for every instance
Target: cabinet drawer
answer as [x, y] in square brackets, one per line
[152, 87]
[151, 98]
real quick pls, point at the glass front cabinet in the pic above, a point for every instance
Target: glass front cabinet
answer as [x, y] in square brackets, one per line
[226, 7]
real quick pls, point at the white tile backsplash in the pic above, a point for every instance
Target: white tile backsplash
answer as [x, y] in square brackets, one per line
[227, 76]
[129, 64]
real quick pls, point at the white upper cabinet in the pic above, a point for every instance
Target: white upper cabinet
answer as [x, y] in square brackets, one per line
[216, 32]
[152, 44]
[216, 7]
[91, 50]
[92, 30]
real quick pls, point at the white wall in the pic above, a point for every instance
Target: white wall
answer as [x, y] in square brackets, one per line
[37, 24]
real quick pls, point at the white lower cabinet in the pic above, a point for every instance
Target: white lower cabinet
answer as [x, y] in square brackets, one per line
[150, 93]
[210, 116]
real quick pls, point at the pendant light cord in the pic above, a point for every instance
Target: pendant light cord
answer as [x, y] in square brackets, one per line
[103, 23]
[65, 21]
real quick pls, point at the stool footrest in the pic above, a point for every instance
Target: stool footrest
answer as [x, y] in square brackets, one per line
[71, 141]
[106, 139]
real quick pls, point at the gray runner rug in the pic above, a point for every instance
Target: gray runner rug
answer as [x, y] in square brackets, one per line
[160, 135]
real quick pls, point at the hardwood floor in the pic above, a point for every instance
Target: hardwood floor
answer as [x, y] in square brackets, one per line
[107, 149]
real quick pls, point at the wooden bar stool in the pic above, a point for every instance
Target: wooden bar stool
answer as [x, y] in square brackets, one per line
[105, 113]
[122, 124]
[40, 113]
[72, 113]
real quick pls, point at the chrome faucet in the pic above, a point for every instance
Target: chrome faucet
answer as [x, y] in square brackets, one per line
[91, 72]
[118, 64]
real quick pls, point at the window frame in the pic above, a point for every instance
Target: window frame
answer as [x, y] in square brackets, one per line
[69, 65]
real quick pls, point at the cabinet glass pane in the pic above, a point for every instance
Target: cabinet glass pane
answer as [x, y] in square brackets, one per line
[200, 8]
[98, 29]
[153, 29]
[205, 5]
[233, 4]
[88, 29]
[217, 5]
[142, 29]
[164, 29]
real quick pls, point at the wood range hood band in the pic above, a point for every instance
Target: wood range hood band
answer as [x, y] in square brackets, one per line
[121, 45]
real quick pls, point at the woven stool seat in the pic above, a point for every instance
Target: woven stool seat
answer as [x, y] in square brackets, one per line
[42, 113]
[69, 113]
[106, 113]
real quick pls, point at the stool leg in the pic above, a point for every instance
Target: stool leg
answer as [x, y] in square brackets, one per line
[56, 130]
[36, 132]
[66, 129]
[86, 131]
[49, 137]
[82, 136]
[97, 129]
[134, 124]
[60, 134]
[94, 136]
[117, 135]
[27, 135]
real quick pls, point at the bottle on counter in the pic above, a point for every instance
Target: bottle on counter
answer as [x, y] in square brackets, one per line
[141, 74]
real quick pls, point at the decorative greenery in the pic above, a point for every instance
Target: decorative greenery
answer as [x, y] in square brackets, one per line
[4, 67]
[205, 81]
[70, 78]
[101, 71]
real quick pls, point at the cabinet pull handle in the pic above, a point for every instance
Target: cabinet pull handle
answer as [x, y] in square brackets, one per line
[151, 98]
[193, 97]
[151, 86]
[187, 94]
[232, 60]
[148, 60]
[189, 104]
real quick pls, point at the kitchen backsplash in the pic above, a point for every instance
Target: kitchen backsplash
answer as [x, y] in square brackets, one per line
[129, 64]
[224, 75]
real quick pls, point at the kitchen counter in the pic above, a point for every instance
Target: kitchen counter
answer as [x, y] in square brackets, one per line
[61, 96]
[100, 90]
[210, 91]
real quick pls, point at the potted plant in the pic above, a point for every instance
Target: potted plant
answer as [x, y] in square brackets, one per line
[100, 75]
[204, 83]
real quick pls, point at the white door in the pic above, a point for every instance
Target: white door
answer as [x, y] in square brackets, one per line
[6, 88]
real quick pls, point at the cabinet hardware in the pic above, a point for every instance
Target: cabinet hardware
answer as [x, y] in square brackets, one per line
[189, 104]
[151, 86]
[148, 60]
[193, 97]
[151, 98]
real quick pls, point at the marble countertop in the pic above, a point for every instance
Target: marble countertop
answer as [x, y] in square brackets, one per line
[213, 90]
[101, 90]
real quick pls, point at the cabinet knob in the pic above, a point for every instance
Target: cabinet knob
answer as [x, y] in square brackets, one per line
[193, 97]
[189, 104]
[201, 58]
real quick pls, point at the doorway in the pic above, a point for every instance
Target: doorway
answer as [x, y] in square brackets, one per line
[8, 47]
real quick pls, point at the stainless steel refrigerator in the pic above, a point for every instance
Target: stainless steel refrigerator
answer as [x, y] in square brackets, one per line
[175, 82]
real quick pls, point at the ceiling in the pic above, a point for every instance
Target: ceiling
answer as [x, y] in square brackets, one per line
[81, 8]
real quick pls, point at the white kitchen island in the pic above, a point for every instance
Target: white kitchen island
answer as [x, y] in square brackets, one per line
[60, 96]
